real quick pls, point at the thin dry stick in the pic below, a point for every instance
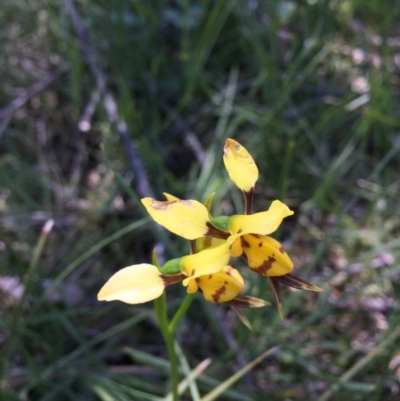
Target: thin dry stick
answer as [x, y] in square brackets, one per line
[142, 185]
[141, 182]
[28, 94]
[7, 111]
[86, 120]
[190, 138]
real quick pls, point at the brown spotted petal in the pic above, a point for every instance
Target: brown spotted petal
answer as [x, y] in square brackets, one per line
[265, 255]
[222, 286]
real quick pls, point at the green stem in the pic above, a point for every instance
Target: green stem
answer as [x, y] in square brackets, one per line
[161, 313]
[180, 312]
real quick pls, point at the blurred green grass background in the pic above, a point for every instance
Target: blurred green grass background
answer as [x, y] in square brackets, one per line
[311, 88]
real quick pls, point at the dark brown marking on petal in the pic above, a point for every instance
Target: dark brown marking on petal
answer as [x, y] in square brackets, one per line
[215, 232]
[262, 269]
[225, 282]
[192, 273]
[255, 235]
[260, 244]
[210, 277]
[282, 249]
[229, 271]
[245, 244]
[226, 147]
[216, 296]
[248, 195]
[239, 231]
[172, 279]
[193, 246]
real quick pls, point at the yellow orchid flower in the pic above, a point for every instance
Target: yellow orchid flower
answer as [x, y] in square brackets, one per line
[265, 255]
[208, 261]
[222, 286]
[247, 235]
[190, 219]
[206, 271]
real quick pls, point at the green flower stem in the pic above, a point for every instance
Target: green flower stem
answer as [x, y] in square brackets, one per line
[161, 312]
[167, 331]
[180, 312]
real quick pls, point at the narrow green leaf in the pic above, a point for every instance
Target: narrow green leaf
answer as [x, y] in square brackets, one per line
[212, 395]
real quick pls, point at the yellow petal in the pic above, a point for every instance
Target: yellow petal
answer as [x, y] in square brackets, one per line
[240, 165]
[222, 286]
[208, 242]
[133, 285]
[259, 223]
[236, 249]
[266, 256]
[209, 261]
[192, 286]
[170, 197]
[186, 218]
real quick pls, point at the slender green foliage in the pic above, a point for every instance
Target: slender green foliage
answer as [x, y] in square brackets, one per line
[311, 89]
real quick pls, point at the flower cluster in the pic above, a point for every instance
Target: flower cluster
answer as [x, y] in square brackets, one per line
[214, 240]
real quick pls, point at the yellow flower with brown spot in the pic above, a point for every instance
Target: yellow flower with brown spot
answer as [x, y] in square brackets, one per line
[256, 247]
[264, 255]
[249, 233]
[206, 271]
[222, 286]
[246, 234]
